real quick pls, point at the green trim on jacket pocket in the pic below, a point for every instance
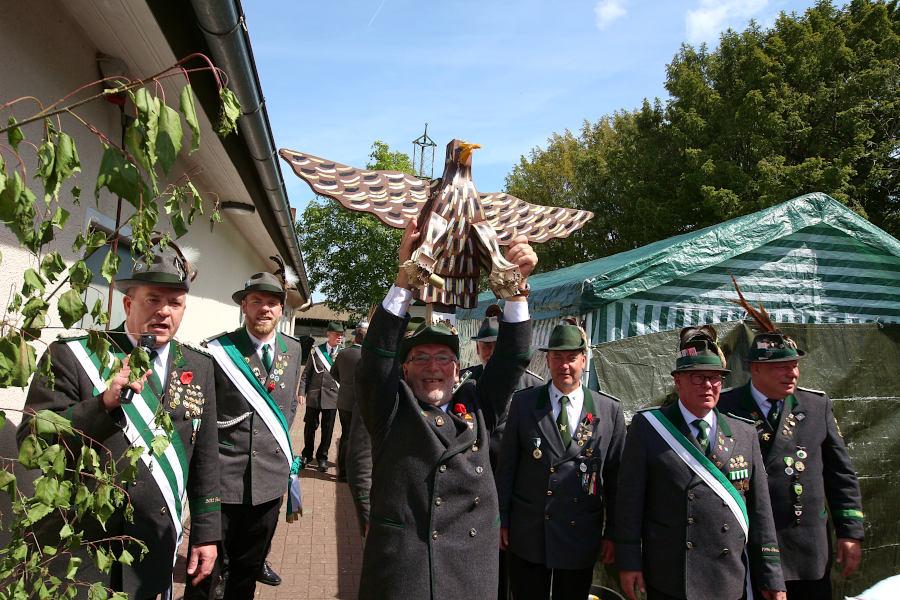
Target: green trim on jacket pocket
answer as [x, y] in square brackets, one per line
[387, 521]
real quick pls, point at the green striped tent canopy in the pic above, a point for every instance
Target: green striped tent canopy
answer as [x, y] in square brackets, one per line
[808, 260]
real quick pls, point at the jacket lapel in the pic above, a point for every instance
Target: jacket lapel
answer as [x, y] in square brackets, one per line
[783, 444]
[722, 447]
[543, 414]
[673, 413]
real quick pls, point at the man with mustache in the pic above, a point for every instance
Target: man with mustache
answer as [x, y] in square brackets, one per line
[257, 379]
[180, 384]
[433, 521]
[807, 464]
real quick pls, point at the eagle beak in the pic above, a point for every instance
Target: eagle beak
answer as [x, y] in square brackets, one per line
[465, 153]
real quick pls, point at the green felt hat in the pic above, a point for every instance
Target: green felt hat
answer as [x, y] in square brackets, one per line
[771, 347]
[698, 351]
[335, 327]
[430, 334]
[412, 325]
[566, 337]
[260, 282]
[488, 330]
[167, 267]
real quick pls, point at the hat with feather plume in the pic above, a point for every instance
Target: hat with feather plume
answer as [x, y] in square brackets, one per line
[770, 344]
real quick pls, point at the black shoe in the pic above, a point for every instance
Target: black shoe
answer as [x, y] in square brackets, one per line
[323, 466]
[267, 575]
[312, 463]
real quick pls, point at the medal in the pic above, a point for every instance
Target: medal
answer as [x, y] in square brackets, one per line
[536, 453]
[788, 471]
[800, 416]
[766, 437]
[798, 489]
[439, 421]
[801, 454]
[800, 466]
[788, 461]
[583, 467]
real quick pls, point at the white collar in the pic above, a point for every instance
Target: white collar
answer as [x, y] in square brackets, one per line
[690, 417]
[258, 342]
[576, 396]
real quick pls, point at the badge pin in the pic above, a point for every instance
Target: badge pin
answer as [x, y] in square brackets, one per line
[439, 421]
[798, 489]
[801, 416]
[788, 471]
[766, 437]
[537, 454]
[583, 467]
[788, 461]
[800, 466]
[801, 454]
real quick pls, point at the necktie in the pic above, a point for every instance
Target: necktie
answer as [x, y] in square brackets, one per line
[774, 413]
[267, 357]
[702, 434]
[154, 379]
[562, 422]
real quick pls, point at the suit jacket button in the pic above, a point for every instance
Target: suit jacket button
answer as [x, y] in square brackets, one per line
[572, 523]
[434, 535]
[690, 495]
[547, 517]
[477, 500]
[575, 500]
[472, 532]
[277, 449]
[442, 468]
[690, 520]
[253, 453]
[438, 501]
[163, 510]
[479, 469]
[689, 545]
[725, 527]
[549, 492]
[725, 551]
[475, 448]
[553, 469]
[256, 432]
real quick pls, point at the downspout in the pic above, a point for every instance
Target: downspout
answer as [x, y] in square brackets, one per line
[222, 24]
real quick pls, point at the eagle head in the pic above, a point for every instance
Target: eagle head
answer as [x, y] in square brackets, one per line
[460, 152]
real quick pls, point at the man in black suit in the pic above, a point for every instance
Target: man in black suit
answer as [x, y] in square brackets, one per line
[808, 467]
[344, 373]
[433, 530]
[180, 384]
[485, 340]
[693, 518]
[557, 476]
[319, 391]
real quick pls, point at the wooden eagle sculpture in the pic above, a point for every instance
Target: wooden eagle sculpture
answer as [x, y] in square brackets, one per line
[462, 229]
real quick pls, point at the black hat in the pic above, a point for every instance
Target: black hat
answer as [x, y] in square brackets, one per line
[771, 347]
[566, 337]
[488, 330]
[430, 334]
[167, 268]
[698, 351]
[261, 282]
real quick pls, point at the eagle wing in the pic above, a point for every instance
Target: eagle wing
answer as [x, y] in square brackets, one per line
[511, 216]
[392, 196]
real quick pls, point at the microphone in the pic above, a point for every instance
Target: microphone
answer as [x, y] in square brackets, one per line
[146, 341]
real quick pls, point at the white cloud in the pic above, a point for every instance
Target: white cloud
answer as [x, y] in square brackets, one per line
[607, 11]
[705, 22]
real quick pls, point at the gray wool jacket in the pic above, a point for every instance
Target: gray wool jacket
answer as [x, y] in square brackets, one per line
[434, 513]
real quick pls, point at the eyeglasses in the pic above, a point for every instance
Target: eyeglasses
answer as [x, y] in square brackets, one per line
[698, 379]
[423, 359]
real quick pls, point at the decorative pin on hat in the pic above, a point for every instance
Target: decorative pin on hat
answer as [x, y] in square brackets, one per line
[698, 351]
[770, 344]
[165, 266]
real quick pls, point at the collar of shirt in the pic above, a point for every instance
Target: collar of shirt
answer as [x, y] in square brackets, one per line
[762, 401]
[690, 417]
[258, 343]
[576, 401]
[160, 362]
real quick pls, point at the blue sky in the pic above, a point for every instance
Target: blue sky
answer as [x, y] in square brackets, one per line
[505, 74]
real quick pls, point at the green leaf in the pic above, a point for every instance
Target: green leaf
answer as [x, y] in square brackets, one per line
[159, 444]
[2, 419]
[74, 563]
[45, 490]
[14, 134]
[65, 531]
[186, 104]
[45, 371]
[71, 308]
[80, 276]
[46, 157]
[32, 281]
[76, 194]
[230, 111]
[196, 202]
[2, 175]
[138, 363]
[17, 360]
[16, 303]
[119, 176]
[110, 266]
[38, 511]
[97, 591]
[51, 424]
[30, 451]
[66, 162]
[35, 313]
[52, 265]
[126, 558]
[7, 482]
[168, 142]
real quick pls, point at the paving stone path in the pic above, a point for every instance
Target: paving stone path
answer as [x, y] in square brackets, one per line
[320, 556]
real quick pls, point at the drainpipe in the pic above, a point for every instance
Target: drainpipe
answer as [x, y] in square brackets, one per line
[222, 24]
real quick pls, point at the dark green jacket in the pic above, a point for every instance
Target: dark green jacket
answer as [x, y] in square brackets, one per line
[829, 483]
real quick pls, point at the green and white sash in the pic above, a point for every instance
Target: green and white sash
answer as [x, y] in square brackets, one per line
[169, 470]
[325, 358]
[232, 362]
[701, 465]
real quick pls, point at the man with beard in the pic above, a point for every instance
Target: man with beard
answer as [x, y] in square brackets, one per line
[179, 384]
[319, 391]
[257, 377]
[433, 530]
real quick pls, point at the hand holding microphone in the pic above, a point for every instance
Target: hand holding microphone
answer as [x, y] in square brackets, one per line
[120, 391]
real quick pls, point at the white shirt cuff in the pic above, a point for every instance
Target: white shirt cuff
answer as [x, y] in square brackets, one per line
[397, 301]
[515, 312]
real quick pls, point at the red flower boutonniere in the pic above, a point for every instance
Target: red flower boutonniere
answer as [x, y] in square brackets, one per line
[270, 386]
[187, 377]
[589, 418]
[459, 409]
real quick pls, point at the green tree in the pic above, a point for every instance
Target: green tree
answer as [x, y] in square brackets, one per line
[810, 104]
[83, 482]
[352, 257]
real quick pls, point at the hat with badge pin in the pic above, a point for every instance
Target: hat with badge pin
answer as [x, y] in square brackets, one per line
[565, 337]
[770, 345]
[165, 266]
[430, 334]
[489, 328]
[263, 281]
[698, 350]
